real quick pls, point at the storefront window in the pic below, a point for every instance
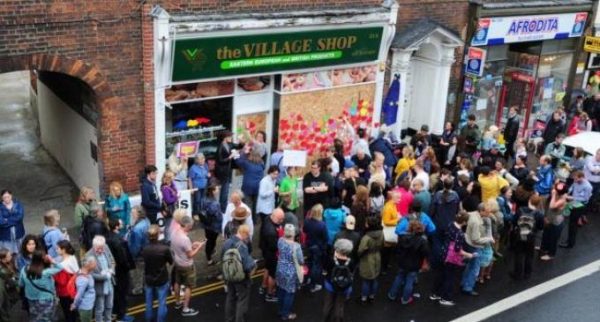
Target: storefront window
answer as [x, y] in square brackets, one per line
[551, 85]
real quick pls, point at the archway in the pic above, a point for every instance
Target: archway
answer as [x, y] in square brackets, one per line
[86, 136]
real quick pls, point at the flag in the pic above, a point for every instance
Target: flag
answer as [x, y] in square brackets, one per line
[390, 104]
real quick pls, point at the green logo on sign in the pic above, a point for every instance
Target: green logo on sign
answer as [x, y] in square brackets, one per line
[196, 57]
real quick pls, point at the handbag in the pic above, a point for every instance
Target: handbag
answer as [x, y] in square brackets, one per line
[299, 268]
[389, 234]
[453, 256]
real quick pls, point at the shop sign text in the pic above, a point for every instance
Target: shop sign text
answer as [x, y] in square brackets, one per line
[503, 30]
[203, 58]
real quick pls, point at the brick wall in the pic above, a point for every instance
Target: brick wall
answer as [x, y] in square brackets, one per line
[108, 44]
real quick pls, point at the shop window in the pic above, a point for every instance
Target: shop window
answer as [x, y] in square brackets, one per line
[552, 78]
[198, 91]
[496, 53]
[253, 84]
[199, 121]
[559, 46]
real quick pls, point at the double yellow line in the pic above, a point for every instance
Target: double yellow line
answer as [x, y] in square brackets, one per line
[195, 292]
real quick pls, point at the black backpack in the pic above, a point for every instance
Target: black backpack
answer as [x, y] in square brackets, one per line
[341, 276]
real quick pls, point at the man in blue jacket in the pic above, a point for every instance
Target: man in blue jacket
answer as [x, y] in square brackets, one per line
[415, 214]
[150, 196]
[544, 177]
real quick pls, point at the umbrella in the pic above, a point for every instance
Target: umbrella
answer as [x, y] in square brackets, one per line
[588, 141]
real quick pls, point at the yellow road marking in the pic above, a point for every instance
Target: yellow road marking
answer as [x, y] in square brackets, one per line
[195, 292]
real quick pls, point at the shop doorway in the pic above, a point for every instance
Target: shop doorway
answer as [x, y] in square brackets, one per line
[30, 169]
[518, 91]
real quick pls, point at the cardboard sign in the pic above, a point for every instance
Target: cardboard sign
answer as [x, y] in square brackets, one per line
[475, 61]
[294, 158]
[188, 149]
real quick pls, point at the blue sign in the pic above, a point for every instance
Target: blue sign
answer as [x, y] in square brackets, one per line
[475, 61]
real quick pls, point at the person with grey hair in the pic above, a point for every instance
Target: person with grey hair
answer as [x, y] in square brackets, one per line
[184, 250]
[339, 277]
[475, 241]
[86, 292]
[104, 281]
[289, 275]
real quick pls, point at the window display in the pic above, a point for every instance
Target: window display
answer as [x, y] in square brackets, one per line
[198, 121]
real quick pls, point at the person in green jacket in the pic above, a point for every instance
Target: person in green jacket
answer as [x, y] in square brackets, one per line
[369, 252]
[85, 205]
[470, 135]
[288, 188]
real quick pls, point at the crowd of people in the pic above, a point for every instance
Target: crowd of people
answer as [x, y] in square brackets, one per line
[453, 203]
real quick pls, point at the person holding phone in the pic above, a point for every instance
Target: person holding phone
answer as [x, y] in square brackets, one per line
[184, 250]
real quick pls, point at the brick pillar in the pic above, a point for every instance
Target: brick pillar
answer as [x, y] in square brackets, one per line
[148, 83]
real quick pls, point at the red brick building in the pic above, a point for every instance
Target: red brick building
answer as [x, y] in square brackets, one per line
[108, 45]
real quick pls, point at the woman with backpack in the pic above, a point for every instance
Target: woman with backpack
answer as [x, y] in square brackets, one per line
[9, 293]
[37, 280]
[70, 268]
[84, 300]
[339, 270]
[212, 219]
[289, 275]
[526, 223]
[369, 252]
[413, 249]
[51, 234]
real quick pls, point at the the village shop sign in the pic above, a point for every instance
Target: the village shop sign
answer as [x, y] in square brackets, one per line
[504, 30]
[203, 58]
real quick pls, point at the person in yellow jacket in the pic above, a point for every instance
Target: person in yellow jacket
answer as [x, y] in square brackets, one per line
[406, 162]
[389, 218]
[491, 183]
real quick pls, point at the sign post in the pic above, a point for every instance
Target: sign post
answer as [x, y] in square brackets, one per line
[475, 61]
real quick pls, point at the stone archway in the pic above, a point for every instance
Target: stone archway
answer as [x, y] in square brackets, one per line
[106, 100]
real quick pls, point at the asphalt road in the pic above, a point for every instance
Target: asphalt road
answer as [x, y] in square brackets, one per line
[577, 297]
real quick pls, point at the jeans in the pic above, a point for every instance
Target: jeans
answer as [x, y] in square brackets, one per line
[211, 242]
[103, 306]
[198, 200]
[447, 276]
[120, 298]
[573, 227]
[405, 278]
[369, 287]
[161, 293]
[65, 304]
[470, 274]
[224, 193]
[524, 251]
[286, 301]
[550, 238]
[315, 263]
[237, 301]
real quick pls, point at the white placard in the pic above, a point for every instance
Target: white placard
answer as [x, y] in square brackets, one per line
[481, 104]
[294, 158]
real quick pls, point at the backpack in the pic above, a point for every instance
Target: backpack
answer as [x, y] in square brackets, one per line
[525, 226]
[233, 270]
[43, 239]
[71, 287]
[341, 276]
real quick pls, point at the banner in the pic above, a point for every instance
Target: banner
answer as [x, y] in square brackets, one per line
[203, 58]
[504, 30]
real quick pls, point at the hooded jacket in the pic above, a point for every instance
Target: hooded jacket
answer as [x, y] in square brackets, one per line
[545, 180]
[369, 253]
[444, 207]
[412, 250]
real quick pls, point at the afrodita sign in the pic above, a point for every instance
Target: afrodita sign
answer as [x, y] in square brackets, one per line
[503, 30]
[204, 58]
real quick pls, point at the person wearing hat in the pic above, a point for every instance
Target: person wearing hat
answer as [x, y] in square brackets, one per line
[351, 182]
[226, 152]
[236, 211]
[239, 216]
[349, 233]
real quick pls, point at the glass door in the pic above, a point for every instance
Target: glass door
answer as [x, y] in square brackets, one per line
[517, 91]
